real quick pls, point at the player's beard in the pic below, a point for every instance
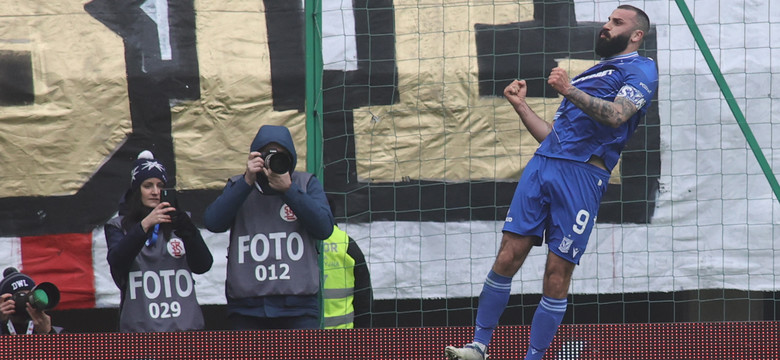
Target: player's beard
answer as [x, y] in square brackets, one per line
[608, 47]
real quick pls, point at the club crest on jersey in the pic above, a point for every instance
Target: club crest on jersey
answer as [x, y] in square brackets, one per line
[176, 247]
[565, 245]
[287, 214]
[632, 94]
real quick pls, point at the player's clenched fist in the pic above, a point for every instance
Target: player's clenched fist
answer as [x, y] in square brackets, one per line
[515, 92]
[559, 80]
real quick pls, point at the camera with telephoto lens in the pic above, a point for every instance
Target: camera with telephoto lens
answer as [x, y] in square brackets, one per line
[277, 161]
[44, 296]
[24, 291]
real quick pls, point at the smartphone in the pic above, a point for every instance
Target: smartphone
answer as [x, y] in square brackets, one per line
[169, 196]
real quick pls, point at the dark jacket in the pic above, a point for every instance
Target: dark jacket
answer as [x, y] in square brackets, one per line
[311, 208]
[363, 300]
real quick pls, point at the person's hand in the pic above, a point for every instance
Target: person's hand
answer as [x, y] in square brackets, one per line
[254, 164]
[7, 307]
[278, 182]
[160, 214]
[559, 80]
[182, 224]
[41, 320]
[515, 92]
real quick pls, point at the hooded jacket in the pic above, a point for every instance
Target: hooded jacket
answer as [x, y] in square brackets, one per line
[310, 207]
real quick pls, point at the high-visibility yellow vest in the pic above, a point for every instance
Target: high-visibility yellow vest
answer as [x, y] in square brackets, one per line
[339, 285]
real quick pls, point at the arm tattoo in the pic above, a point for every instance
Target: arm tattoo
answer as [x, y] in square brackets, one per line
[606, 112]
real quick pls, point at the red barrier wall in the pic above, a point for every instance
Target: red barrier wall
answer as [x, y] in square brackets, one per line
[732, 340]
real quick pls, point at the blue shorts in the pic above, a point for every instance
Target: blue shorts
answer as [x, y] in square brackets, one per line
[557, 200]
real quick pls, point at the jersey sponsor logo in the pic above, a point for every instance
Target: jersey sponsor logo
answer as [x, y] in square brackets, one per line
[508, 219]
[632, 94]
[287, 214]
[591, 76]
[565, 245]
[176, 247]
[574, 252]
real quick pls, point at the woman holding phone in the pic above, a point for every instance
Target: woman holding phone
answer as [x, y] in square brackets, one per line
[153, 250]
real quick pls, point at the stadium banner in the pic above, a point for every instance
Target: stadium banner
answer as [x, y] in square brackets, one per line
[421, 152]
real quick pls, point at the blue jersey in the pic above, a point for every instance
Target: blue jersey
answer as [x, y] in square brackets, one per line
[576, 136]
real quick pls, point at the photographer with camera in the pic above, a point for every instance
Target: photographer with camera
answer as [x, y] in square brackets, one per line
[276, 217]
[22, 305]
[153, 250]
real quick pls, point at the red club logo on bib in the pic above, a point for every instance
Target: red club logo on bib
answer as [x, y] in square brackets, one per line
[287, 214]
[176, 247]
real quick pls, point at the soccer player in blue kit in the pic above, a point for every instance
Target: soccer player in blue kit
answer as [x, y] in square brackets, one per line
[558, 195]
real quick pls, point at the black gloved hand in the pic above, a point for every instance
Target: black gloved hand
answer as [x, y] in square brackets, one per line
[182, 224]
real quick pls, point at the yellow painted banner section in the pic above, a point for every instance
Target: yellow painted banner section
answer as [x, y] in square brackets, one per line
[80, 113]
[212, 135]
[441, 129]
